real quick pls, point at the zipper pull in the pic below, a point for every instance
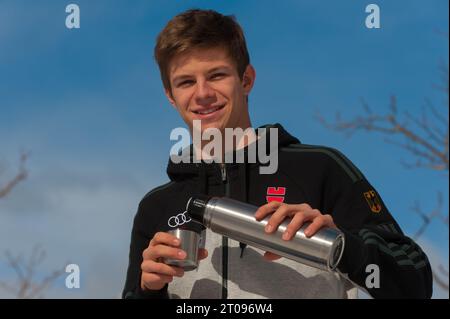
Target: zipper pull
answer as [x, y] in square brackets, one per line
[223, 170]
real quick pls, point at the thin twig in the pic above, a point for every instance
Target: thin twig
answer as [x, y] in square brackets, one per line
[21, 175]
[28, 286]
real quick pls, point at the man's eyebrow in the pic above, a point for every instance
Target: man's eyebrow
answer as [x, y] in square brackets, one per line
[186, 76]
[181, 77]
[217, 68]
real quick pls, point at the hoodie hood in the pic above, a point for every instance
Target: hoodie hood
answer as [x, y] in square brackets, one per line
[181, 171]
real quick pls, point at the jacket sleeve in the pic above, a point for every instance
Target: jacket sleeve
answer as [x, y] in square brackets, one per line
[139, 242]
[377, 255]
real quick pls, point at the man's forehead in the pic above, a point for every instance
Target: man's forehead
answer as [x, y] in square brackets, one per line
[207, 58]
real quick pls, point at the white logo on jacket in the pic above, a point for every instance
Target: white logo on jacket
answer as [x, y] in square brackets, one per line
[178, 220]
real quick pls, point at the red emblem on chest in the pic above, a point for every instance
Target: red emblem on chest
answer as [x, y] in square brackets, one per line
[275, 194]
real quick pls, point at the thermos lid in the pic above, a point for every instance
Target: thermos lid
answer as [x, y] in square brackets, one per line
[196, 207]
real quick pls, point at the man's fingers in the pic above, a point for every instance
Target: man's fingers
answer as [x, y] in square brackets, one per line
[277, 218]
[295, 224]
[271, 256]
[279, 212]
[153, 278]
[155, 252]
[286, 210]
[318, 223]
[266, 209]
[151, 266]
[202, 253]
[164, 238]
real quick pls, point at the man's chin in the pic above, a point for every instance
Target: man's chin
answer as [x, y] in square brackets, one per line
[211, 125]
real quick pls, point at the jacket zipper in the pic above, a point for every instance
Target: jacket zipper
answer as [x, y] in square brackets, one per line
[226, 183]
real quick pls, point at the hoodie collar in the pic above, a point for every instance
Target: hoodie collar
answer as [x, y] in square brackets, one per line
[182, 171]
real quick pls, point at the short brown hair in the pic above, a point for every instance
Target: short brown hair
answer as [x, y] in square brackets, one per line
[197, 28]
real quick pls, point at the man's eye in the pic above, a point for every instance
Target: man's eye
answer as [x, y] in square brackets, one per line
[218, 75]
[185, 83]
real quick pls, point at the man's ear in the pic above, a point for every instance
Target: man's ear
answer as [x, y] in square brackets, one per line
[248, 79]
[170, 98]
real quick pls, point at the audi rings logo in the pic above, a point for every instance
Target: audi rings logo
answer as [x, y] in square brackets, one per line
[178, 220]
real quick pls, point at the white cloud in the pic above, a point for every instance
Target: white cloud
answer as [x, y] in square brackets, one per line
[79, 215]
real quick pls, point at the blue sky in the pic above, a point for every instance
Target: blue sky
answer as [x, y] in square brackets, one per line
[88, 105]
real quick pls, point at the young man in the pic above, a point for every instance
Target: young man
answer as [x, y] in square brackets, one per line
[207, 76]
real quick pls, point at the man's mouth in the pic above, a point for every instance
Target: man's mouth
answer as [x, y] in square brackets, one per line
[209, 110]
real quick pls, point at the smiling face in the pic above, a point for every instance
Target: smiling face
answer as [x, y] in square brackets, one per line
[206, 86]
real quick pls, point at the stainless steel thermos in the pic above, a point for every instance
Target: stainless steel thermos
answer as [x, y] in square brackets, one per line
[236, 220]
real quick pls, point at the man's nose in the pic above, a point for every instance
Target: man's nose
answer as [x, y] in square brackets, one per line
[204, 92]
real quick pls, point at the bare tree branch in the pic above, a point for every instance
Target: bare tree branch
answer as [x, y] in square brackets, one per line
[21, 175]
[27, 286]
[428, 218]
[426, 139]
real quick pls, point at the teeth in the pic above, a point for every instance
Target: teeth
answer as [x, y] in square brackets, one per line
[208, 111]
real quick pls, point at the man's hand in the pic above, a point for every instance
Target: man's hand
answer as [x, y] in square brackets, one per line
[300, 214]
[155, 274]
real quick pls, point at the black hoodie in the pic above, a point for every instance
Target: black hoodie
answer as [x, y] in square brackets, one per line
[320, 176]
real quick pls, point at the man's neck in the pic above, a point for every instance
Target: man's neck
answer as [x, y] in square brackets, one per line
[248, 138]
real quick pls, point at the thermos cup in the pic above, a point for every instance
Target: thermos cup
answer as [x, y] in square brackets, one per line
[236, 220]
[190, 243]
